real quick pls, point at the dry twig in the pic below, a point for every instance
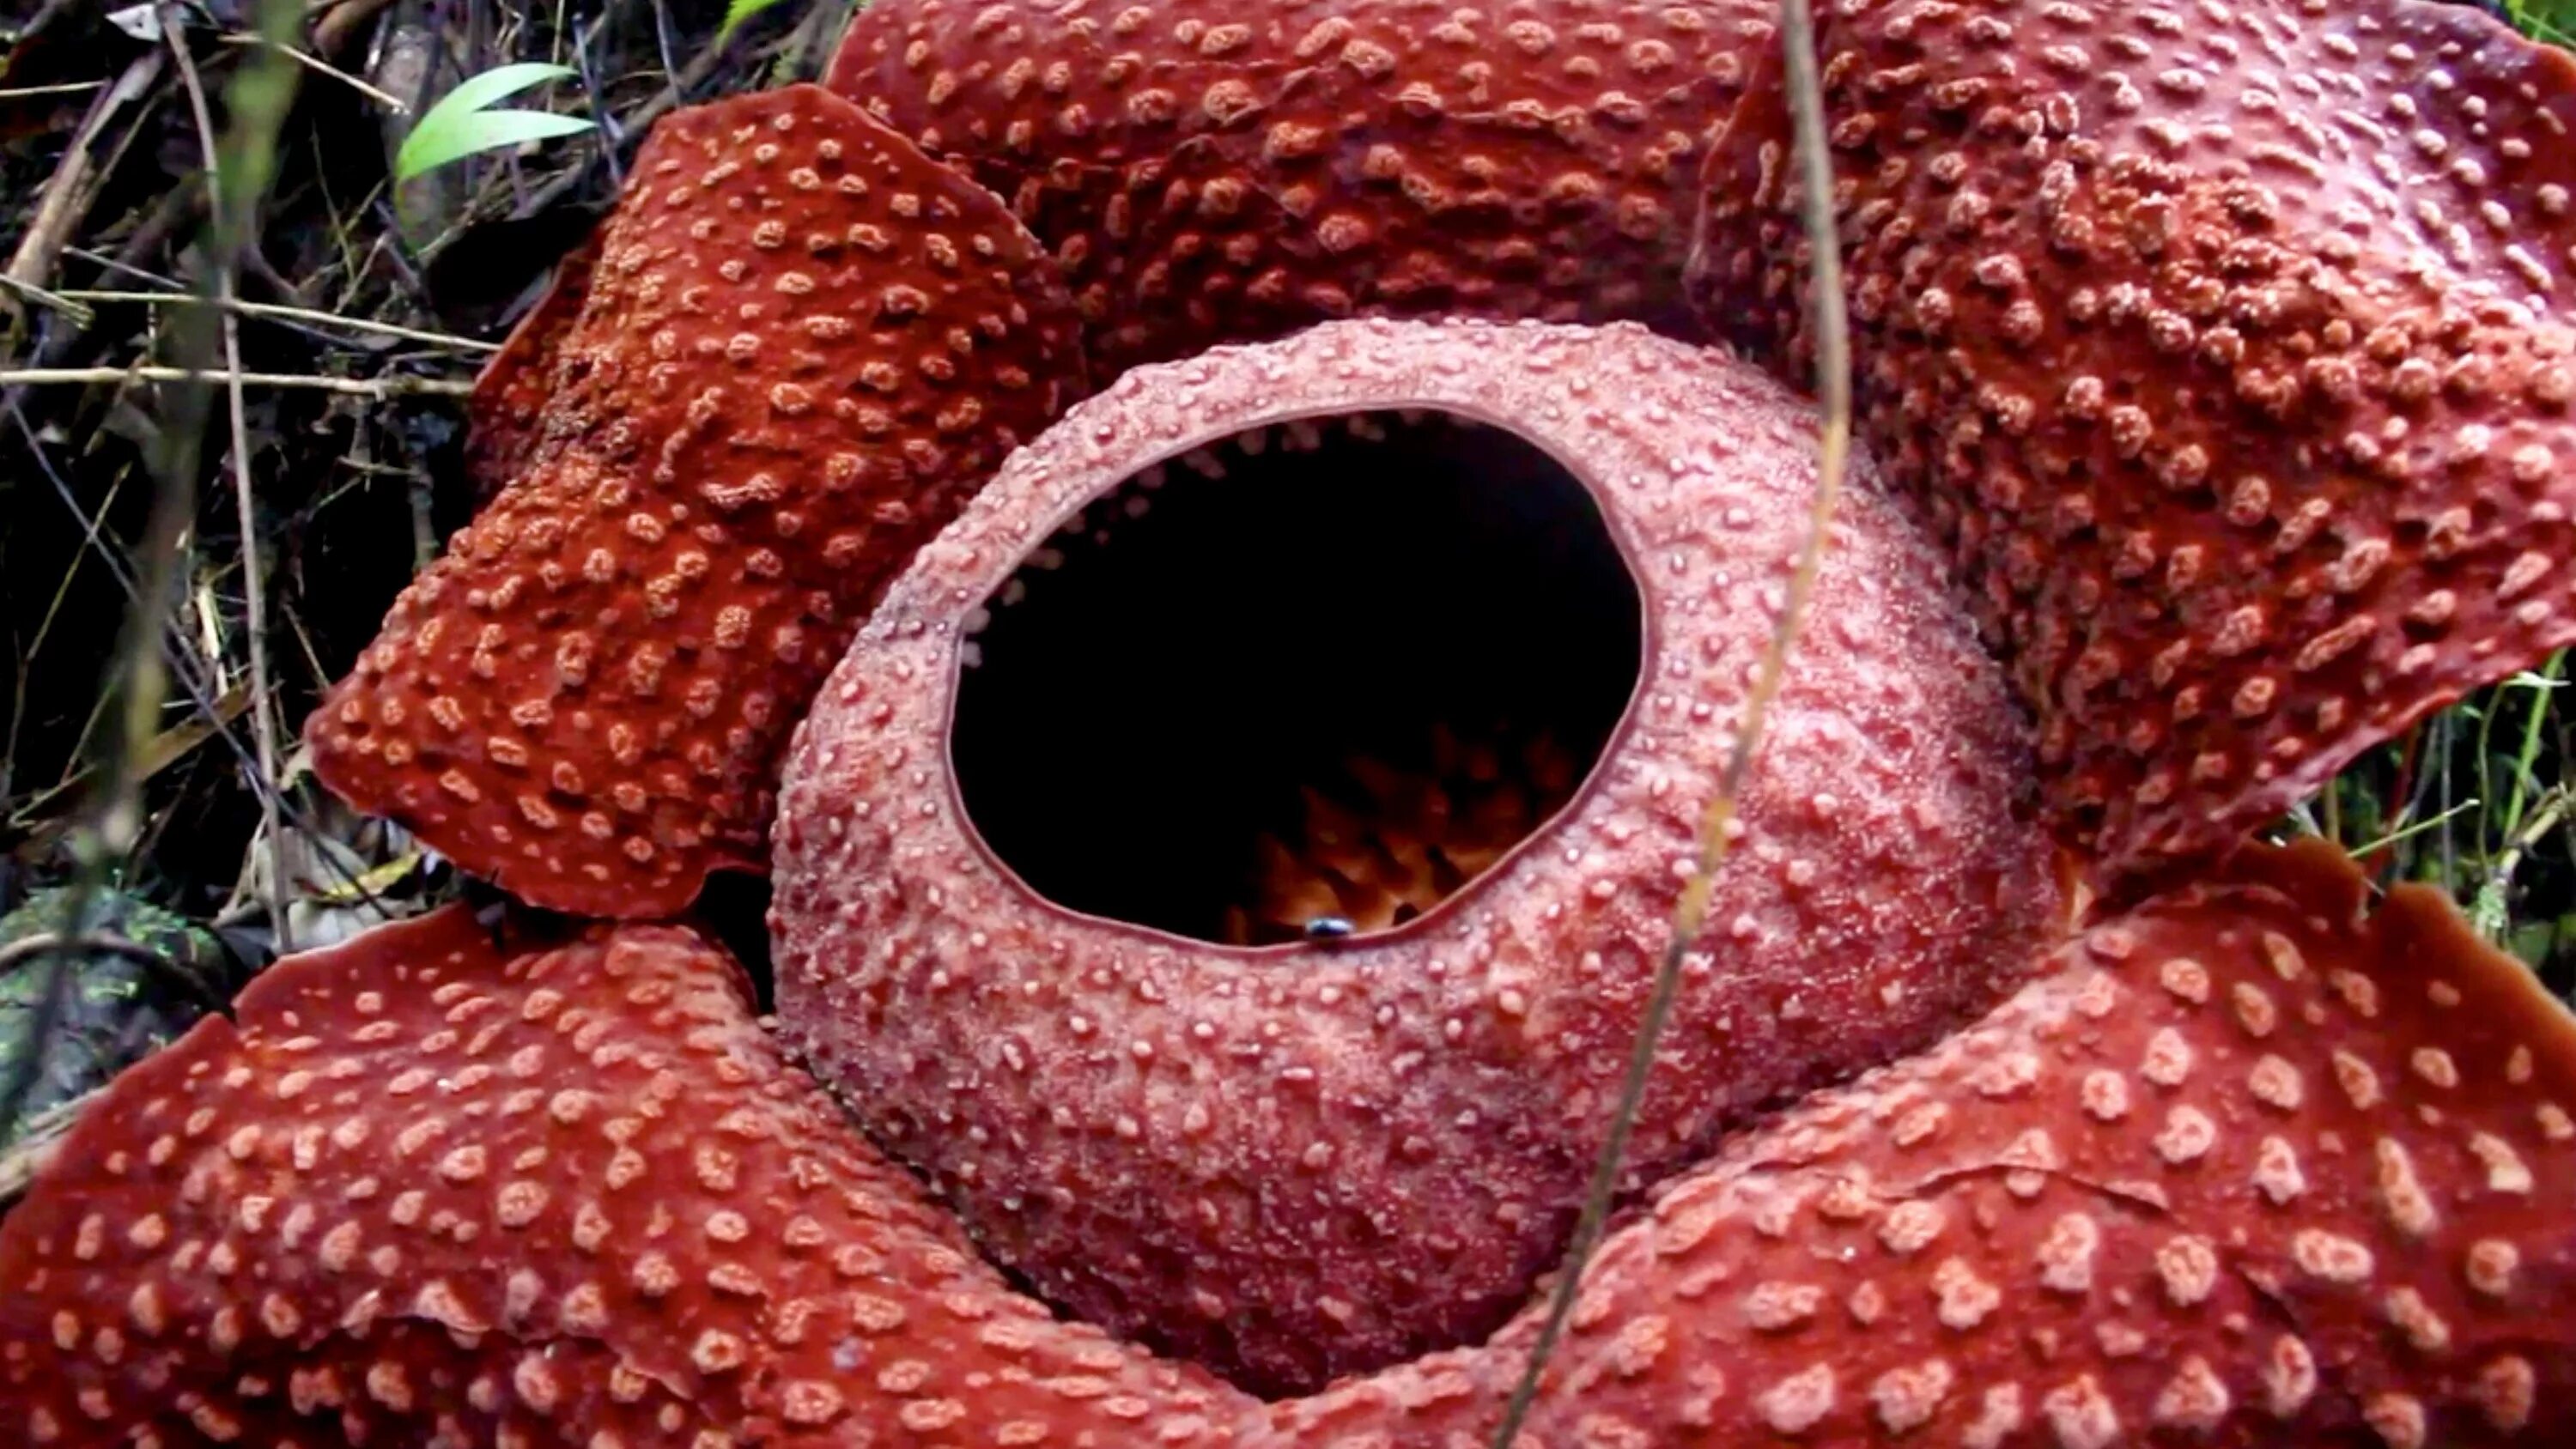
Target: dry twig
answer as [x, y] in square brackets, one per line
[379, 388]
[67, 195]
[263, 709]
[319, 66]
[1833, 388]
[277, 312]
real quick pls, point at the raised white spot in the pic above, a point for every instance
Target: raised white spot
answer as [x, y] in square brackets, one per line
[2329, 1256]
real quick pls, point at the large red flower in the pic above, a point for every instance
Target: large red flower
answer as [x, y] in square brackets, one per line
[1235, 892]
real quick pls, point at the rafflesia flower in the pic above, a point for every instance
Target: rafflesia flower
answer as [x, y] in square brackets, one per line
[1227, 862]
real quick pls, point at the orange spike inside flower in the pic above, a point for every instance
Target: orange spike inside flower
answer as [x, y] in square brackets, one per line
[1209, 174]
[2231, 351]
[1017, 821]
[1378, 844]
[801, 345]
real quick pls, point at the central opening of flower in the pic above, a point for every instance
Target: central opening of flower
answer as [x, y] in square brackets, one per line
[1302, 683]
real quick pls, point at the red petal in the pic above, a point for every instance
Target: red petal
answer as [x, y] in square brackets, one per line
[2249, 1166]
[2233, 352]
[1210, 176]
[429, 1183]
[804, 345]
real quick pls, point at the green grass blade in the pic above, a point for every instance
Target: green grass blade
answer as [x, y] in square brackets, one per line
[738, 11]
[501, 82]
[459, 125]
[2364, 852]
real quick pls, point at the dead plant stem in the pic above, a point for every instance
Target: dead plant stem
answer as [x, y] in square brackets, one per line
[67, 88]
[379, 388]
[263, 707]
[1833, 387]
[278, 312]
[68, 191]
[319, 66]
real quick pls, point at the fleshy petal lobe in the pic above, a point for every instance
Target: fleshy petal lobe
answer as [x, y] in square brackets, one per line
[2246, 1164]
[429, 1185]
[2249, 1165]
[2230, 349]
[801, 346]
[1208, 174]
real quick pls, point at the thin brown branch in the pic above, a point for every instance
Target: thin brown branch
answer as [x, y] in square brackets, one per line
[68, 192]
[278, 312]
[80, 316]
[379, 388]
[633, 127]
[1690, 913]
[319, 66]
[67, 88]
[263, 710]
[44, 943]
[342, 21]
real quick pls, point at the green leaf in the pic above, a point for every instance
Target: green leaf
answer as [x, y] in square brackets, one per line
[459, 125]
[738, 11]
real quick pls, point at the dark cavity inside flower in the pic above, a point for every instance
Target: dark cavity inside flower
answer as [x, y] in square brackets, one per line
[1302, 682]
